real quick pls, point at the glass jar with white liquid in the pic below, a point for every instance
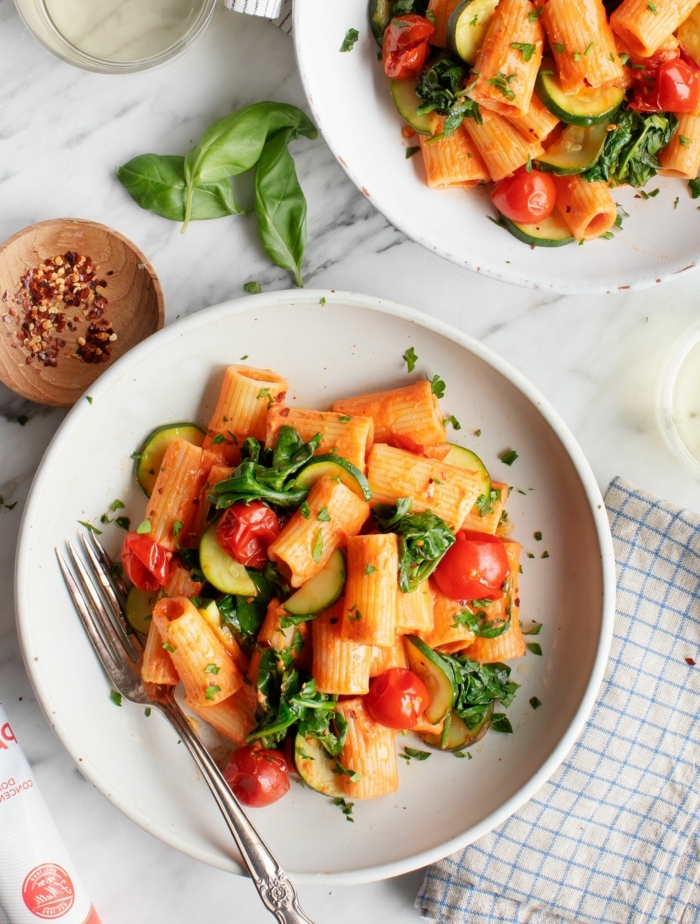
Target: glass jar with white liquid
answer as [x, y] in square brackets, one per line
[116, 36]
[680, 402]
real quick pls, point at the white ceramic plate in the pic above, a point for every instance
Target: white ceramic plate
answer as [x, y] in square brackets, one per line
[352, 106]
[349, 345]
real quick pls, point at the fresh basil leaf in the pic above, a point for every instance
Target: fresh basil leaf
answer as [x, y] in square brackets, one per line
[157, 183]
[416, 754]
[280, 204]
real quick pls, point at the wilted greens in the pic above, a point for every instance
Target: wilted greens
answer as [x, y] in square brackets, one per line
[441, 89]
[423, 540]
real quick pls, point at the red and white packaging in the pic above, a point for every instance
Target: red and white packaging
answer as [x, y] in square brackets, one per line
[38, 881]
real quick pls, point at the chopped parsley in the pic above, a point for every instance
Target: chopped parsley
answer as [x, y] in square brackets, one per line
[123, 523]
[414, 149]
[411, 359]
[254, 288]
[117, 505]
[212, 669]
[147, 711]
[558, 47]
[346, 807]
[90, 527]
[369, 569]
[544, 555]
[144, 528]
[22, 420]
[322, 301]
[177, 529]
[88, 398]
[577, 56]
[116, 698]
[538, 536]
[212, 690]
[219, 438]
[588, 48]
[305, 510]
[346, 771]
[456, 425]
[652, 8]
[317, 550]
[535, 648]
[437, 386]
[244, 357]
[416, 754]
[694, 187]
[507, 458]
[535, 14]
[535, 703]
[525, 48]
[351, 36]
[477, 433]
[345, 418]
[535, 629]
[686, 142]
[486, 505]
[323, 515]
[169, 647]
[502, 83]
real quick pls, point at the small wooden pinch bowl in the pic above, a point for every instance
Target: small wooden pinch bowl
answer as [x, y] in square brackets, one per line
[135, 307]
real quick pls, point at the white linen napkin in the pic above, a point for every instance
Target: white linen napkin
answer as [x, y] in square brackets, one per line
[278, 10]
[614, 836]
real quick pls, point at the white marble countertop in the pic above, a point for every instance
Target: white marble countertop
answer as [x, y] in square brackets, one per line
[62, 131]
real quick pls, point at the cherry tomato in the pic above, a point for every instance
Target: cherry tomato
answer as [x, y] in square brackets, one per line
[257, 776]
[405, 46]
[474, 568]
[679, 87]
[525, 197]
[397, 698]
[246, 530]
[146, 564]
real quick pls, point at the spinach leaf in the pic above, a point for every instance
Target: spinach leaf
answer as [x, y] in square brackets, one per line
[244, 615]
[280, 204]
[287, 698]
[423, 540]
[232, 145]
[265, 474]
[629, 152]
[441, 89]
[157, 183]
[478, 686]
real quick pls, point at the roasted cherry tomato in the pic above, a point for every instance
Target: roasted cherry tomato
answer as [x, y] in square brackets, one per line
[405, 46]
[257, 776]
[679, 87]
[145, 563]
[397, 698]
[474, 568]
[246, 530]
[525, 197]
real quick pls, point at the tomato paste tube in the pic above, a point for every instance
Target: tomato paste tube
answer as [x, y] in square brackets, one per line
[38, 881]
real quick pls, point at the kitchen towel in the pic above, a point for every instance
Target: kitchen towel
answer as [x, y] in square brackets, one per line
[279, 10]
[613, 837]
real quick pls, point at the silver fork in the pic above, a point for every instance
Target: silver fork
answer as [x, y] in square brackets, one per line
[99, 598]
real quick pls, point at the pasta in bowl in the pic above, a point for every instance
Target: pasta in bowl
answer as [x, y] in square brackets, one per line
[546, 118]
[327, 347]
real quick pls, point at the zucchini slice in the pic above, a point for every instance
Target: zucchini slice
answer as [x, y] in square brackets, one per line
[139, 607]
[436, 674]
[459, 735]
[465, 458]
[379, 17]
[551, 232]
[588, 107]
[575, 150]
[321, 591]
[406, 102]
[467, 27]
[314, 765]
[336, 467]
[150, 459]
[222, 571]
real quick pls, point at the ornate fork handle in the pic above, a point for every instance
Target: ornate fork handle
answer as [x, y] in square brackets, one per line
[273, 885]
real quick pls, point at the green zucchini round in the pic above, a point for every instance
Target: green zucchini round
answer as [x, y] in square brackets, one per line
[150, 456]
[435, 673]
[589, 107]
[467, 27]
[403, 93]
[220, 569]
[322, 591]
[459, 735]
[576, 150]
[551, 232]
[379, 17]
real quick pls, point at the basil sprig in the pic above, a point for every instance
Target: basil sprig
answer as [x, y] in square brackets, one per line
[196, 187]
[423, 540]
[265, 474]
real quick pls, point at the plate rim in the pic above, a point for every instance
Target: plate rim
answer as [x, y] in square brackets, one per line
[491, 358]
[484, 268]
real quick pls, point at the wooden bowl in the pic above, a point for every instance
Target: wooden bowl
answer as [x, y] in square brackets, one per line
[135, 308]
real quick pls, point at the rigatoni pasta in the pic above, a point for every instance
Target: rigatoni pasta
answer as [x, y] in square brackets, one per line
[369, 616]
[404, 414]
[340, 666]
[502, 146]
[349, 436]
[454, 162]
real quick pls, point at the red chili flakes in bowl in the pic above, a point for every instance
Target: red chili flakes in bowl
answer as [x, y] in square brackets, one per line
[44, 306]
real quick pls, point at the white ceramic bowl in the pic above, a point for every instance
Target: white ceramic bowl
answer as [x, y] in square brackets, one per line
[352, 106]
[350, 344]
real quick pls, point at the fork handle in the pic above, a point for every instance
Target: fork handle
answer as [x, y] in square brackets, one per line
[274, 886]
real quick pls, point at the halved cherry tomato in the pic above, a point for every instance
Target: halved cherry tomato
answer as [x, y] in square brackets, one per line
[525, 197]
[257, 776]
[246, 530]
[397, 698]
[146, 564]
[405, 46]
[474, 568]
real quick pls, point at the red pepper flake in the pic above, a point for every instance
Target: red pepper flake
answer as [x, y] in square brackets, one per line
[44, 293]
[690, 661]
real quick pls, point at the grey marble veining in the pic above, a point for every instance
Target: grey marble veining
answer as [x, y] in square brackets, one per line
[62, 132]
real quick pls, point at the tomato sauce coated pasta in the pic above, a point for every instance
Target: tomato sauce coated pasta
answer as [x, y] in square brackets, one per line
[364, 589]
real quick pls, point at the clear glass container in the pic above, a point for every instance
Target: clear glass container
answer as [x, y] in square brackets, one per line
[116, 36]
[680, 402]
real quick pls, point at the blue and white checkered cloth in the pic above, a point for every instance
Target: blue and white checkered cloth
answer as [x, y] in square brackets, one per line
[278, 10]
[614, 836]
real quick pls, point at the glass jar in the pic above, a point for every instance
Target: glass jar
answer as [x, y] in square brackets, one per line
[116, 36]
